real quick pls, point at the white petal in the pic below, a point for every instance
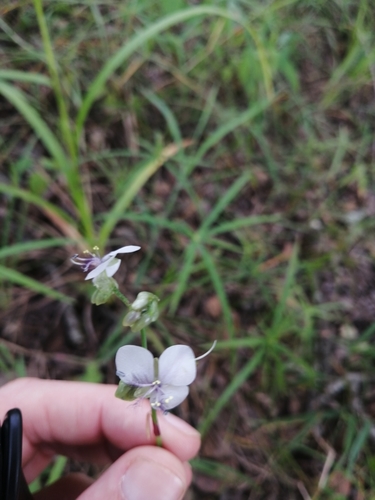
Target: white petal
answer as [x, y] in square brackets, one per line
[113, 266]
[127, 249]
[136, 365]
[99, 269]
[173, 396]
[177, 366]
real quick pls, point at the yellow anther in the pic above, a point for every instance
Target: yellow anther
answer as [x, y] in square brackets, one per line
[86, 251]
[156, 382]
[95, 248]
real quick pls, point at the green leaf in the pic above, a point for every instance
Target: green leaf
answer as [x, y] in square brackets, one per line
[137, 178]
[30, 246]
[20, 279]
[23, 76]
[41, 129]
[140, 39]
[239, 379]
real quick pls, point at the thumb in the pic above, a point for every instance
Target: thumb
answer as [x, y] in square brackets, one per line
[143, 472]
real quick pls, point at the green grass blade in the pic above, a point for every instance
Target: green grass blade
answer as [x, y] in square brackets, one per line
[166, 111]
[215, 469]
[289, 279]
[137, 179]
[141, 38]
[20, 279]
[358, 445]
[178, 227]
[228, 127]
[252, 220]
[238, 343]
[57, 216]
[18, 99]
[206, 113]
[219, 289]
[30, 246]
[23, 76]
[230, 390]
[51, 143]
[57, 469]
[224, 201]
[41, 129]
[183, 276]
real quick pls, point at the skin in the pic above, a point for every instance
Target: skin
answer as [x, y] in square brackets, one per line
[86, 422]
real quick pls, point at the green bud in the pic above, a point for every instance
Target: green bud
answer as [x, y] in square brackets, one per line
[104, 288]
[126, 392]
[143, 311]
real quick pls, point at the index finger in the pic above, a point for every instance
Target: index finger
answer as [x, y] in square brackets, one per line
[86, 421]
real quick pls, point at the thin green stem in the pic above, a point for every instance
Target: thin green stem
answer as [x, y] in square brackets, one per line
[156, 427]
[120, 296]
[143, 338]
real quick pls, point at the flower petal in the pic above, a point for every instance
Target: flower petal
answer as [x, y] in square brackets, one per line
[135, 365]
[177, 366]
[173, 396]
[127, 249]
[99, 269]
[112, 267]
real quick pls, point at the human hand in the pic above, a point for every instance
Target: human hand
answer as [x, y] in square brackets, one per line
[86, 422]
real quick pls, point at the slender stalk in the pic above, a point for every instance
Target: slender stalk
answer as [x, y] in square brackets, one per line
[120, 296]
[156, 427]
[143, 338]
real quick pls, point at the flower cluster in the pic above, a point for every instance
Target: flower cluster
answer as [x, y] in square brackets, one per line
[164, 381]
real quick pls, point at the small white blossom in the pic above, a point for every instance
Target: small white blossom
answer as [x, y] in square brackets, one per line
[98, 264]
[163, 381]
[143, 311]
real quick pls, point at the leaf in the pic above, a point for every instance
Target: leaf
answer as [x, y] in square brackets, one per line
[239, 379]
[138, 40]
[41, 129]
[137, 178]
[19, 278]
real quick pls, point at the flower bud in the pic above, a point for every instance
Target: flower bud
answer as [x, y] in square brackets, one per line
[104, 288]
[126, 392]
[143, 311]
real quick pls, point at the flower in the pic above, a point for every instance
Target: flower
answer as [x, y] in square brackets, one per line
[108, 263]
[143, 311]
[163, 381]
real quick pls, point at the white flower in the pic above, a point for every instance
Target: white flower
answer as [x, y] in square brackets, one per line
[165, 380]
[108, 263]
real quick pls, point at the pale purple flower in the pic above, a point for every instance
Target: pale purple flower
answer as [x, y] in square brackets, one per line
[165, 380]
[98, 264]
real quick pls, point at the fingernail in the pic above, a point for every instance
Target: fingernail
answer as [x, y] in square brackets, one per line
[148, 479]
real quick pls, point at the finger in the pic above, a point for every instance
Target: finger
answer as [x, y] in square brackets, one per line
[86, 422]
[66, 488]
[144, 472]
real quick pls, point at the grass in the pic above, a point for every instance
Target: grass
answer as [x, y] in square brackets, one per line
[234, 143]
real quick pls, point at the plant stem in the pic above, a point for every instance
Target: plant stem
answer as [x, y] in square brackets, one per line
[143, 338]
[155, 424]
[120, 296]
